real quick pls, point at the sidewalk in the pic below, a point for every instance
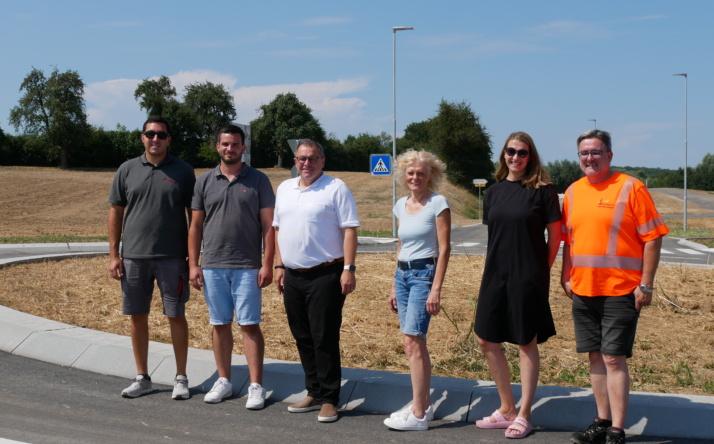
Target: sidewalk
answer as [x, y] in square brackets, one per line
[564, 408]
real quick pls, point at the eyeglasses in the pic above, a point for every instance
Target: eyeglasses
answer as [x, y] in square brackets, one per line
[521, 153]
[163, 135]
[312, 159]
[595, 153]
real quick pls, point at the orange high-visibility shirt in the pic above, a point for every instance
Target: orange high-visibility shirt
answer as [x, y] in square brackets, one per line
[607, 225]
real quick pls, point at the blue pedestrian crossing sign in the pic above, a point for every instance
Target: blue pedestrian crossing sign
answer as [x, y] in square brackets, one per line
[380, 164]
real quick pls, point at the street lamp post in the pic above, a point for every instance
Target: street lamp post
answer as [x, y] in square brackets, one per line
[394, 119]
[594, 121]
[685, 149]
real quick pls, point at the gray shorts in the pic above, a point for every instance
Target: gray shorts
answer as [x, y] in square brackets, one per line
[605, 323]
[137, 285]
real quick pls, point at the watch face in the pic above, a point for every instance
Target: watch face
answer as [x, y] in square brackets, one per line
[350, 268]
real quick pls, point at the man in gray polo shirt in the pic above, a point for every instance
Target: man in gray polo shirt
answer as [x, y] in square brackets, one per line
[232, 214]
[149, 198]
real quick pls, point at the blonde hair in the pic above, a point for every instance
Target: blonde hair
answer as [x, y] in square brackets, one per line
[535, 176]
[411, 157]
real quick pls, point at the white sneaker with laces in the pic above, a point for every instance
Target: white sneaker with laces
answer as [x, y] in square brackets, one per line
[181, 388]
[222, 389]
[256, 397]
[407, 421]
[428, 413]
[139, 387]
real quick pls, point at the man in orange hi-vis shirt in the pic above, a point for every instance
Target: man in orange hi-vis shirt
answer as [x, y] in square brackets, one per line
[613, 236]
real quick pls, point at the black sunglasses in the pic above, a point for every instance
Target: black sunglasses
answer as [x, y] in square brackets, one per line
[163, 135]
[521, 153]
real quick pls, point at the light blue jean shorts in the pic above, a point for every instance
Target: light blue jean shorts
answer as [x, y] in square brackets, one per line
[228, 291]
[412, 289]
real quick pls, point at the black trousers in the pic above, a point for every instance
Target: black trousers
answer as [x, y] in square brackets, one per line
[313, 302]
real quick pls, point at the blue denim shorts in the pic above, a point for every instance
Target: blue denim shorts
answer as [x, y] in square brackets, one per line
[412, 289]
[228, 291]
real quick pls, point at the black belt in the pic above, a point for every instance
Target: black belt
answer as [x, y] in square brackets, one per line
[322, 265]
[416, 264]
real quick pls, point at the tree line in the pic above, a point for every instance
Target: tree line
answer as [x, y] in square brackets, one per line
[51, 121]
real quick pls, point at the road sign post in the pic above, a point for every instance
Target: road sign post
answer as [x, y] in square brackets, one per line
[479, 183]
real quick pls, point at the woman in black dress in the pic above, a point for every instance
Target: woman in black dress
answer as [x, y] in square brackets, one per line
[513, 301]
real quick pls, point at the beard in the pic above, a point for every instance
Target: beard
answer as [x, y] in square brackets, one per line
[231, 161]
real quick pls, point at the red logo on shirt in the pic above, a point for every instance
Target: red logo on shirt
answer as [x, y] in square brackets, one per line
[169, 180]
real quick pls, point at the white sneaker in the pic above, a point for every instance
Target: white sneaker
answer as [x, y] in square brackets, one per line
[221, 389]
[256, 397]
[139, 387]
[407, 421]
[428, 413]
[180, 388]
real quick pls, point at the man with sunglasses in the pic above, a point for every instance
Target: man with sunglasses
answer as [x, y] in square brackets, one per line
[613, 235]
[149, 200]
[316, 229]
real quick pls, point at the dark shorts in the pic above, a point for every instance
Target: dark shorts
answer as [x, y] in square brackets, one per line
[605, 323]
[137, 285]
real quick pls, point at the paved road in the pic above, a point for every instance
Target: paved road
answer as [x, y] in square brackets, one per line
[700, 199]
[46, 403]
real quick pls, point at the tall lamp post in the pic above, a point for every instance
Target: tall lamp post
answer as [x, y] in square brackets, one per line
[394, 119]
[594, 121]
[685, 148]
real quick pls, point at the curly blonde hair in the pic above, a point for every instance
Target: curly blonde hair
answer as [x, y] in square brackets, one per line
[425, 158]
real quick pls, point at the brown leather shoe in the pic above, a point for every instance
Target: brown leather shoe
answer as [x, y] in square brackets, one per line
[328, 413]
[308, 404]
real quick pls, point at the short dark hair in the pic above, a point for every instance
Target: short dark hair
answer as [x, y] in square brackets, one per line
[230, 129]
[603, 136]
[157, 119]
[311, 143]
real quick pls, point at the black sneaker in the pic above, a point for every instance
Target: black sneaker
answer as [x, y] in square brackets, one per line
[596, 433]
[615, 436]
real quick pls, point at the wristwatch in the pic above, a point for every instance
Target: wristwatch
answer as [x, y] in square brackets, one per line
[351, 268]
[646, 289]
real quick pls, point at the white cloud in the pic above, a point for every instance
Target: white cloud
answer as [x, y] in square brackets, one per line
[334, 103]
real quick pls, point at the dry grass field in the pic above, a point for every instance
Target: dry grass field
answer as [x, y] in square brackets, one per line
[674, 352]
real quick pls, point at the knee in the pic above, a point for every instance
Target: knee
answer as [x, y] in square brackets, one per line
[412, 346]
[251, 330]
[488, 347]
[615, 362]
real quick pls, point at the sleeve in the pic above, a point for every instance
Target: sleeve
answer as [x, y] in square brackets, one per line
[551, 204]
[650, 224]
[197, 200]
[117, 193]
[265, 193]
[441, 205]
[346, 207]
[486, 205]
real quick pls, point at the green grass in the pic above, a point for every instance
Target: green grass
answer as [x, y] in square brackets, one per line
[51, 239]
[700, 235]
[374, 233]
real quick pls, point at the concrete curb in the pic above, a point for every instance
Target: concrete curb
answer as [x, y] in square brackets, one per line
[563, 408]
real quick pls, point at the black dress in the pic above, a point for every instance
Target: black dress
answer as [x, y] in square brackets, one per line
[513, 301]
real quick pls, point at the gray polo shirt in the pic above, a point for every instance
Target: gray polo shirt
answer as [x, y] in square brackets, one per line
[155, 199]
[232, 232]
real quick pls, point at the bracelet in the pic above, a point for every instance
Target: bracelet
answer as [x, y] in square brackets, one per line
[279, 266]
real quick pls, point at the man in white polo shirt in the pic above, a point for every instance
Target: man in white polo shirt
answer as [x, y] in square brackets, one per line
[316, 228]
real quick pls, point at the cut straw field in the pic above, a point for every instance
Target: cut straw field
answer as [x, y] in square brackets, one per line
[674, 351]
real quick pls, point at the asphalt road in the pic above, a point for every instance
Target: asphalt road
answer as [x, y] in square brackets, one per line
[45, 403]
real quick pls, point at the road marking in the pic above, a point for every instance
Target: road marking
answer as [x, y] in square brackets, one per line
[690, 251]
[663, 251]
[466, 244]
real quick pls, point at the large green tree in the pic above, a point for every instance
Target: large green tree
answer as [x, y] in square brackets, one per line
[563, 173]
[285, 117]
[154, 95]
[358, 149]
[212, 106]
[458, 138]
[53, 110]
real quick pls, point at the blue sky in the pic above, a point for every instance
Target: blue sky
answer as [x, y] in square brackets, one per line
[544, 67]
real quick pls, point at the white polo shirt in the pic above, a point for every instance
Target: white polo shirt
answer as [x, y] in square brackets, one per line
[310, 221]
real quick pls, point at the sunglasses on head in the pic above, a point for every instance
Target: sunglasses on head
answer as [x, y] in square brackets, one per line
[163, 135]
[521, 153]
